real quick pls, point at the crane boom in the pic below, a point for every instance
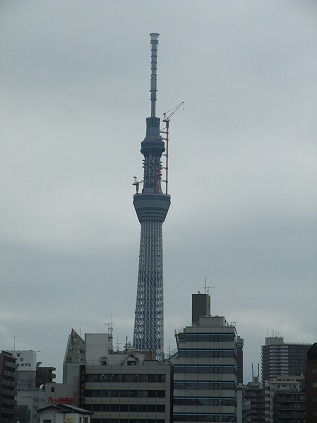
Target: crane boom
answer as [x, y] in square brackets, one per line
[167, 115]
[166, 119]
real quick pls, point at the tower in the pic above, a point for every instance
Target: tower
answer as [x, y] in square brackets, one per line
[151, 207]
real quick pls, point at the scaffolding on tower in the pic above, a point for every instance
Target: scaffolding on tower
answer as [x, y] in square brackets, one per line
[166, 119]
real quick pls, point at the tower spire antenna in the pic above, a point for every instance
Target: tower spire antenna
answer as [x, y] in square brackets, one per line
[153, 90]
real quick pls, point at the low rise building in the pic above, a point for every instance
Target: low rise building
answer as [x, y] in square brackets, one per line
[128, 386]
[281, 384]
[61, 413]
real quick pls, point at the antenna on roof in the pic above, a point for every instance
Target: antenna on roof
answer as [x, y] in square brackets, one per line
[110, 327]
[207, 287]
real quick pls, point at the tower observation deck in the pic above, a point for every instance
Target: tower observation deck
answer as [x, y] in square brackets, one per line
[151, 206]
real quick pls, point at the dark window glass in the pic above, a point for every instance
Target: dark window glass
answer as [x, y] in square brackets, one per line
[161, 378]
[133, 394]
[115, 393]
[152, 378]
[143, 394]
[124, 394]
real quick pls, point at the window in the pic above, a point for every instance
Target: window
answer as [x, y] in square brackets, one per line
[161, 378]
[152, 394]
[47, 421]
[152, 378]
[52, 389]
[133, 394]
[215, 370]
[115, 393]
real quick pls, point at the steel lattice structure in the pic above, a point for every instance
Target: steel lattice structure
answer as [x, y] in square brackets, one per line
[151, 207]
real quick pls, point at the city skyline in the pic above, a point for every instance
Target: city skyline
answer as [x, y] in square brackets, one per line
[74, 83]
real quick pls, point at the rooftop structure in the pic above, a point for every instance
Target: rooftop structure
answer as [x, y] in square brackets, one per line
[151, 206]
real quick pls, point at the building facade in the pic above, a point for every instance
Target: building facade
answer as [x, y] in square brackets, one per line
[289, 407]
[281, 387]
[205, 368]
[279, 358]
[62, 413]
[254, 393]
[8, 406]
[311, 384]
[127, 386]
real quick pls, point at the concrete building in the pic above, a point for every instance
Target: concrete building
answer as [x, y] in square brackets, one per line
[63, 414]
[205, 368]
[26, 368]
[73, 372]
[74, 357]
[8, 406]
[279, 358]
[282, 384]
[44, 375]
[30, 376]
[289, 407]
[60, 393]
[254, 393]
[311, 384]
[125, 387]
[29, 400]
[243, 407]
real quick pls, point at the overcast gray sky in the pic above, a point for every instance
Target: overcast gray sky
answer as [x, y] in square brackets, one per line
[75, 78]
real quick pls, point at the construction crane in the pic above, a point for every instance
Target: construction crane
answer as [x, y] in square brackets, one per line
[166, 119]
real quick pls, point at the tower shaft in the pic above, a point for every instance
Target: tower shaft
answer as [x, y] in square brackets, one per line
[151, 207]
[149, 314]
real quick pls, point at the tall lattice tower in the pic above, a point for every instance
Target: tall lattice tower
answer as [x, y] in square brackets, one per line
[151, 207]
